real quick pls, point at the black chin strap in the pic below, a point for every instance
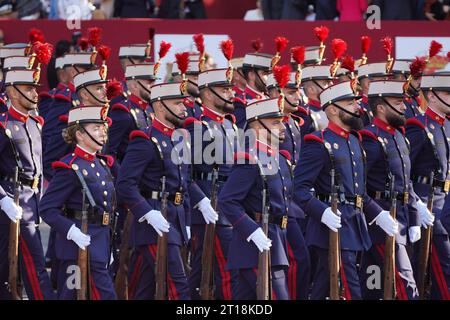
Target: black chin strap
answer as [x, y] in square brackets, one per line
[21, 93]
[170, 111]
[356, 115]
[92, 138]
[415, 91]
[440, 99]
[270, 132]
[143, 87]
[392, 107]
[290, 103]
[97, 99]
[317, 84]
[262, 82]
[220, 97]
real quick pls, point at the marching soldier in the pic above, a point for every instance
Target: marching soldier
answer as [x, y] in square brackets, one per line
[46, 97]
[20, 145]
[147, 164]
[388, 175]
[429, 136]
[263, 170]
[82, 185]
[217, 127]
[337, 150]
[299, 260]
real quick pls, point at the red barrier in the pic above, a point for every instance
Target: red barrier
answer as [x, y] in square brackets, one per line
[121, 32]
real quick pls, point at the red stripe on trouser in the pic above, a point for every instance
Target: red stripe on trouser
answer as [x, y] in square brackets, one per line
[292, 274]
[95, 294]
[226, 277]
[173, 295]
[31, 270]
[439, 275]
[400, 286]
[274, 296]
[134, 277]
[347, 294]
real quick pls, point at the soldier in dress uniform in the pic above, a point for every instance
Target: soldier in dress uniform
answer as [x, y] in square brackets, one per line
[337, 148]
[147, 164]
[239, 81]
[262, 169]
[20, 145]
[256, 68]
[388, 171]
[217, 127]
[82, 182]
[299, 260]
[193, 102]
[429, 136]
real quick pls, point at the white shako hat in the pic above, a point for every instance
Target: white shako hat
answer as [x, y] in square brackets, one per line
[192, 67]
[386, 88]
[18, 62]
[272, 83]
[436, 82]
[401, 67]
[341, 91]
[86, 78]
[312, 56]
[316, 73]
[376, 69]
[257, 61]
[137, 51]
[169, 90]
[22, 76]
[88, 114]
[140, 71]
[80, 59]
[13, 49]
[260, 109]
[215, 77]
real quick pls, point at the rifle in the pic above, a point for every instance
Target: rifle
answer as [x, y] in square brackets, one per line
[389, 249]
[263, 291]
[161, 251]
[206, 283]
[13, 248]
[82, 293]
[334, 250]
[425, 246]
[121, 282]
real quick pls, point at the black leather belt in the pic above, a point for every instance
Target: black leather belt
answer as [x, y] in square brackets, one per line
[207, 176]
[176, 198]
[444, 185]
[356, 201]
[101, 219]
[280, 221]
[403, 197]
[32, 183]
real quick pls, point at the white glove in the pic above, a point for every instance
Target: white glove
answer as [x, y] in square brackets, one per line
[414, 234]
[158, 222]
[13, 211]
[260, 240]
[188, 231]
[331, 220]
[207, 211]
[387, 223]
[82, 240]
[426, 217]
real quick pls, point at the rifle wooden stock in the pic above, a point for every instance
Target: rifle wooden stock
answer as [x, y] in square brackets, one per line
[206, 283]
[83, 292]
[13, 247]
[334, 250]
[423, 272]
[121, 282]
[161, 253]
[389, 257]
[263, 291]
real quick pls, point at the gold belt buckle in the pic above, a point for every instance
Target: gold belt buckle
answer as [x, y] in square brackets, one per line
[178, 198]
[35, 182]
[405, 197]
[446, 185]
[358, 202]
[284, 222]
[105, 221]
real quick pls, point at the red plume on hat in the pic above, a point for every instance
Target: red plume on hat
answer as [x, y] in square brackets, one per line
[416, 69]
[227, 47]
[200, 45]
[95, 35]
[281, 75]
[388, 45]
[43, 53]
[338, 47]
[435, 48]
[280, 45]
[83, 43]
[113, 89]
[321, 34]
[104, 52]
[349, 63]
[182, 60]
[164, 47]
[257, 45]
[298, 55]
[366, 41]
[35, 35]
